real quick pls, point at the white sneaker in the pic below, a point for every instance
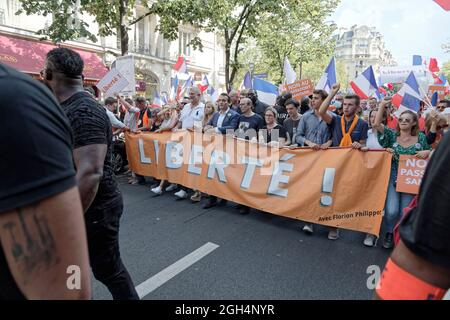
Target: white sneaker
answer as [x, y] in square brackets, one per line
[369, 241]
[172, 187]
[181, 194]
[333, 234]
[308, 228]
[157, 190]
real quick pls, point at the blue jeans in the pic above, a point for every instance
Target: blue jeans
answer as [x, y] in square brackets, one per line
[395, 203]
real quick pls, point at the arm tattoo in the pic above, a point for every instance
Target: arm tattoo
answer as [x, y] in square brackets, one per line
[37, 247]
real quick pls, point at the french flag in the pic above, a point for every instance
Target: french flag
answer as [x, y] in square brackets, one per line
[328, 78]
[180, 69]
[267, 92]
[431, 63]
[365, 85]
[157, 101]
[213, 93]
[445, 4]
[174, 88]
[186, 86]
[164, 98]
[409, 96]
[204, 85]
[247, 82]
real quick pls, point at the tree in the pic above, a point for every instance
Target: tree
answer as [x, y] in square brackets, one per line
[302, 35]
[235, 21]
[112, 17]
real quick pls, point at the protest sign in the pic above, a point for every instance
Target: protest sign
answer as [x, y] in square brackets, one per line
[399, 74]
[300, 88]
[125, 65]
[440, 90]
[112, 82]
[410, 173]
[332, 187]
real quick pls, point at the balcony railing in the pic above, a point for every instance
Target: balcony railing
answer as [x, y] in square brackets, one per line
[140, 48]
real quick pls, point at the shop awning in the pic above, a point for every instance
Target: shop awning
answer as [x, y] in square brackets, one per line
[28, 56]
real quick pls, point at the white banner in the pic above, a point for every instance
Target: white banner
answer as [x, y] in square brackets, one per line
[112, 82]
[399, 74]
[125, 65]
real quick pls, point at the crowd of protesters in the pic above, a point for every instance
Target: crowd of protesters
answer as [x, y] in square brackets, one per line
[73, 141]
[319, 121]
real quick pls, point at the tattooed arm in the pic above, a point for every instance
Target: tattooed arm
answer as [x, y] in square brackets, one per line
[42, 241]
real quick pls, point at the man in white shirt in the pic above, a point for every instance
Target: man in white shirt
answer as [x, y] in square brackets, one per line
[191, 118]
[111, 107]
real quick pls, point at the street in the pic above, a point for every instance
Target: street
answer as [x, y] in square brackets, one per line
[177, 250]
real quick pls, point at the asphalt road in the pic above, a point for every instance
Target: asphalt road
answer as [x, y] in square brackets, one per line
[259, 255]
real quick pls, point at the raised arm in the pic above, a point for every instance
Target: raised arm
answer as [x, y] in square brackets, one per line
[326, 104]
[378, 126]
[122, 101]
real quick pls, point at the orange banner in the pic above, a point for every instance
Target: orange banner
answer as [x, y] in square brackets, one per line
[410, 174]
[300, 88]
[338, 187]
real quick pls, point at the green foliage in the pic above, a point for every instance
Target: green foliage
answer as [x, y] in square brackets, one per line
[300, 32]
[280, 27]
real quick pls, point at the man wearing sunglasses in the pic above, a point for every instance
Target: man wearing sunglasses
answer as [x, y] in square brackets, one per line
[442, 105]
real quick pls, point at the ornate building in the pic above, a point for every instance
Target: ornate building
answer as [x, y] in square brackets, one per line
[154, 56]
[361, 47]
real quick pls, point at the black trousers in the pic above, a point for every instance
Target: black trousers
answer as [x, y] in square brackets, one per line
[102, 228]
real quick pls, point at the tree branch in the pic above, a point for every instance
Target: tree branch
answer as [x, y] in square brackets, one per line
[243, 13]
[140, 18]
[236, 47]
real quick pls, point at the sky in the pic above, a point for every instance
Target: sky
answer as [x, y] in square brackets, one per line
[409, 26]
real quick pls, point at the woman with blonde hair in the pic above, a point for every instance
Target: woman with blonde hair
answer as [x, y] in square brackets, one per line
[408, 140]
[210, 110]
[170, 118]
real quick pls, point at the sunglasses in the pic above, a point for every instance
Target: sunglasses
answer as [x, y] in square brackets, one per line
[404, 120]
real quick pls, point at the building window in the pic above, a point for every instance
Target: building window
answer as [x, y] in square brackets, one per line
[183, 40]
[2, 16]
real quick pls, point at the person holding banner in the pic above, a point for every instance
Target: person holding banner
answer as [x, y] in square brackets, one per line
[373, 144]
[170, 115]
[221, 122]
[419, 267]
[291, 123]
[314, 132]
[347, 131]
[249, 122]
[210, 111]
[259, 106]
[191, 118]
[272, 134]
[407, 140]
